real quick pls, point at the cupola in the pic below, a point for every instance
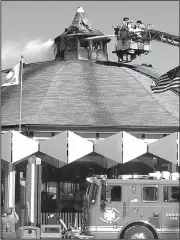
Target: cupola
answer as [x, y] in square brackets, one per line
[74, 42]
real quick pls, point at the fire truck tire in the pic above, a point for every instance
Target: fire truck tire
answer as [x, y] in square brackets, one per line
[138, 232]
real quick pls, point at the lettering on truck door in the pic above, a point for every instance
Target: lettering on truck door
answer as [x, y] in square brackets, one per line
[170, 211]
[145, 204]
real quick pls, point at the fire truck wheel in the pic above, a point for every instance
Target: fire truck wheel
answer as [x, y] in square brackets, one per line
[138, 232]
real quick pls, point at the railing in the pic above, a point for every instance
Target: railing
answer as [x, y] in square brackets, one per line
[68, 218]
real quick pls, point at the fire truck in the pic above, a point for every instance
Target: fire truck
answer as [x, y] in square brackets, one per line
[128, 207]
[132, 207]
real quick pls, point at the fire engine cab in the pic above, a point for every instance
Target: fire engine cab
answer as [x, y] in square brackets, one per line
[132, 207]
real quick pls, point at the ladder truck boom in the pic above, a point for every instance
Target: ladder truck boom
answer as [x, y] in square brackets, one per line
[164, 37]
[133, 40]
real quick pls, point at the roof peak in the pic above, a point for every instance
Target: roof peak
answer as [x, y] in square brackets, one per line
[81, 25]
[80, 10]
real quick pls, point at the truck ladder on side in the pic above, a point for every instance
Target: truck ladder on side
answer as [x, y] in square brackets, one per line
[164, 37]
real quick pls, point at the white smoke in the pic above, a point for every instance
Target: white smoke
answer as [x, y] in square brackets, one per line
[33, 51]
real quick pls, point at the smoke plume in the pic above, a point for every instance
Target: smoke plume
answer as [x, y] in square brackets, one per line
[32, 51]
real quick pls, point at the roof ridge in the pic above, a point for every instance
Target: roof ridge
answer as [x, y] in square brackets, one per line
[34, 63]
[150, 76]
[134, 67]
[26, 65]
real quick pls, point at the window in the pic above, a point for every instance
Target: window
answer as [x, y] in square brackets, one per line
[71, 45]
[50, 190]
[171, 194]
[84, 44]
[87, 191]
[97, 46]
[116, 193]
[150, 194]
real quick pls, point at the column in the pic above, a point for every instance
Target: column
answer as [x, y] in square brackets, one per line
[78, 46]
[172, 168]
[9, 185]
[178, 152]
[22, 199]
[39, 186]
[90, 48]
[33, 191]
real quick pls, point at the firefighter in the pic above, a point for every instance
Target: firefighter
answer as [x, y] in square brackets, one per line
[61, 45]
[125, 22]
[124, 28]
[116, 30]
[129, 24]
[138, 24]
[143, 31]
[9, 221]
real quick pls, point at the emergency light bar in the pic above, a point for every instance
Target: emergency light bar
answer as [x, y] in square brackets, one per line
[156, 176]
[100, 176]
[175, 176]
[90, 179]
[126, 177]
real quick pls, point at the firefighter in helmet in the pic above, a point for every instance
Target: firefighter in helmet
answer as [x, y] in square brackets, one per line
[138, 24]
[125, 21]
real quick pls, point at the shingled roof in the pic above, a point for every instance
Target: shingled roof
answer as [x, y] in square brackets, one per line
[87, 93]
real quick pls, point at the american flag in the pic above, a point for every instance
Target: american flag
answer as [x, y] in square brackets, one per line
[168, 81]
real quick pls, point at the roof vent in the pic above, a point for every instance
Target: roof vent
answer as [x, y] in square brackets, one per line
[146, 65]
[80, 10]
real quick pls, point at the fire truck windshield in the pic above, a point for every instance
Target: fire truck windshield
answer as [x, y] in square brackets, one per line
[91, 192]
[86, 195]
[94, 192]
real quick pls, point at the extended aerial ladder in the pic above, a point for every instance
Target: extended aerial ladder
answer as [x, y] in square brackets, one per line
[133, 41]
[164, 37]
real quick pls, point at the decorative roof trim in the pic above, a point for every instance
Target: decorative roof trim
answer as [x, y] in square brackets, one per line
[51, 128]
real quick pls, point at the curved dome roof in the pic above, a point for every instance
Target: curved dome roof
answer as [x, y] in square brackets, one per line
[87, 93]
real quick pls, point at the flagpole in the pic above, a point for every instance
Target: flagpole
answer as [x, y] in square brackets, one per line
[20, 107]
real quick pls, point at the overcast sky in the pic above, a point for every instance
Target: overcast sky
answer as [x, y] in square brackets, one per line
[30, 27]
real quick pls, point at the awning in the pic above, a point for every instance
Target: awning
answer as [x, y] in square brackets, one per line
[6, 146]
[55, 150]
[16, 147]
[111, 149]
[132, 147]
[66, 148]
[165, 148]
[120, 148]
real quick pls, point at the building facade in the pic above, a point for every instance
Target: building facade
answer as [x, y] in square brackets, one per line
[81, 115]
